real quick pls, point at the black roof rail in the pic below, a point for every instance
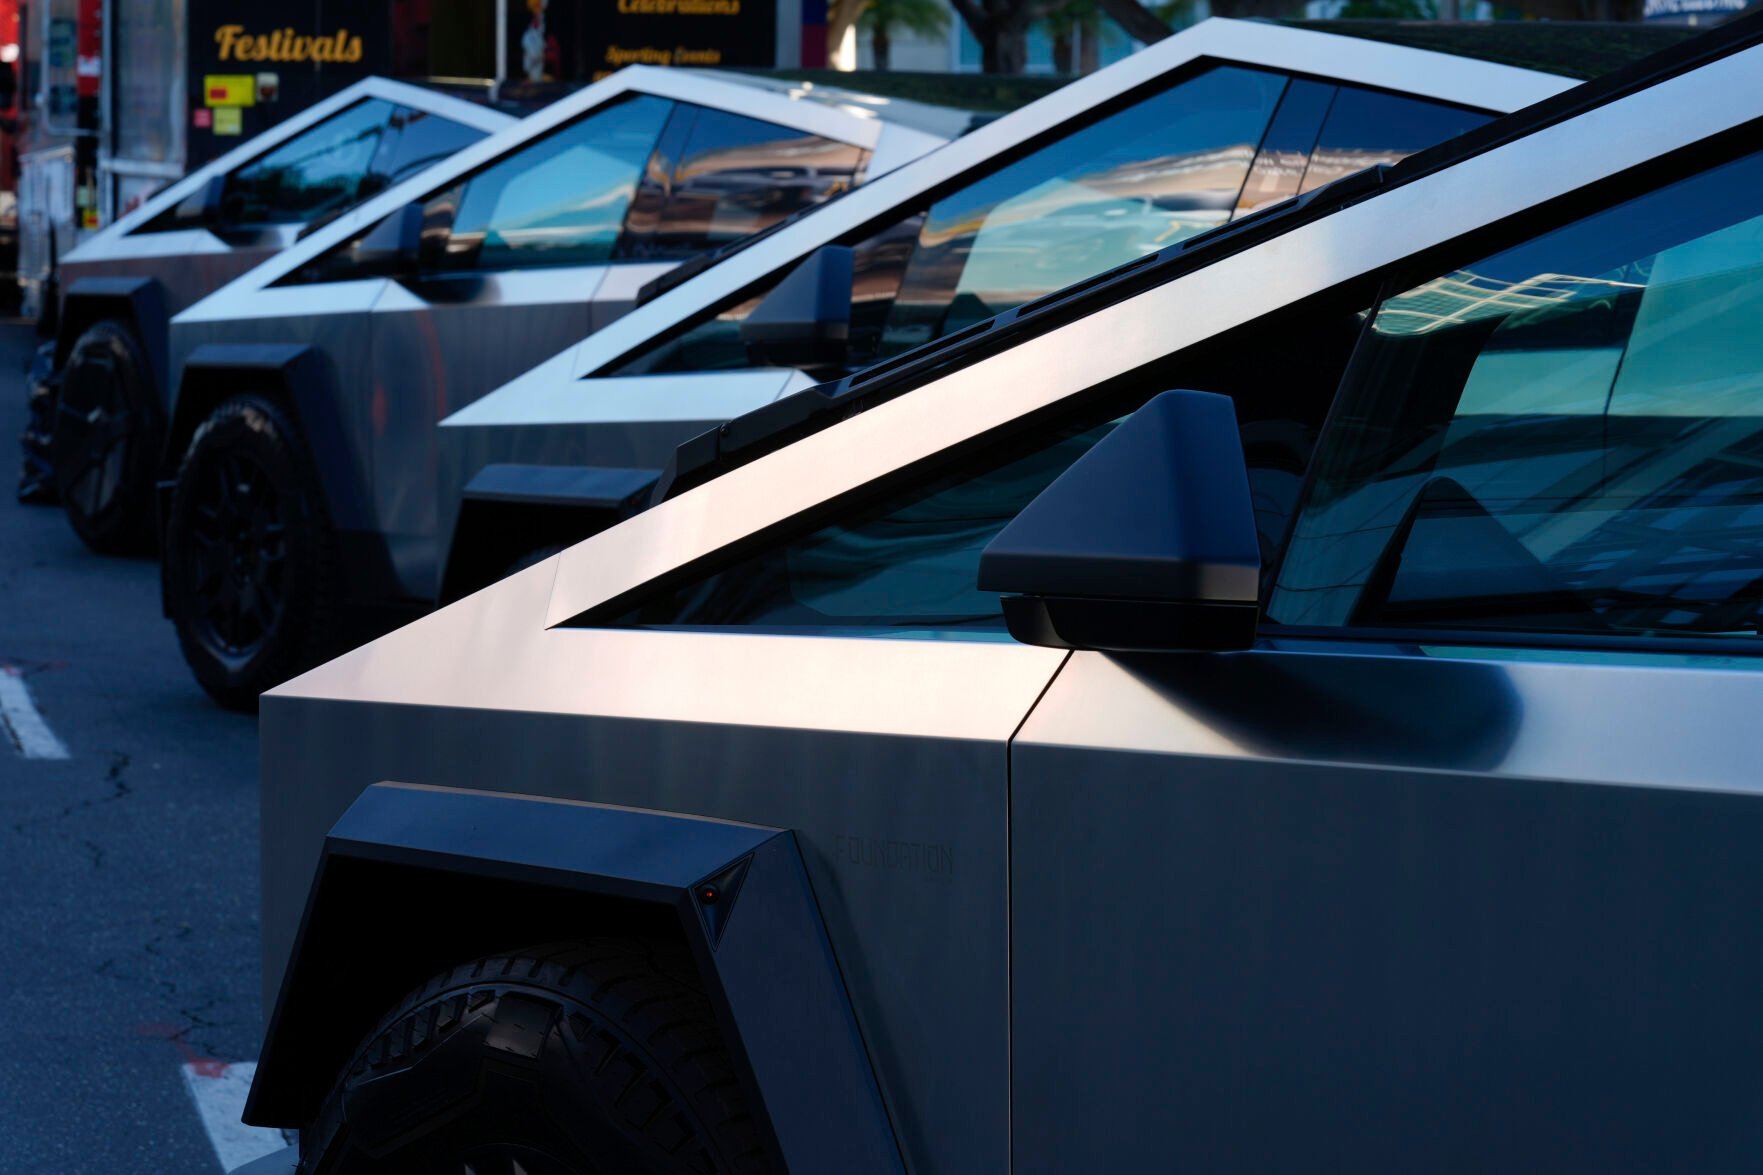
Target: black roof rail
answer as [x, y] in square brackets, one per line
[753, 434]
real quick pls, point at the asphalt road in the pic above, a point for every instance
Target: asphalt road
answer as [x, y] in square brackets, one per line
[128, 871]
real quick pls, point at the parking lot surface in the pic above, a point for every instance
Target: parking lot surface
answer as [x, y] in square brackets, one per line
[128, 868]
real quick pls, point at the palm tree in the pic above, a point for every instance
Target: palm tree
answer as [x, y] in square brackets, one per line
[1074, 22]
[927, 18]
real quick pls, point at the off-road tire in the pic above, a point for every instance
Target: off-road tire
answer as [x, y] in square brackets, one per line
[598, 1057]
[251, 433]
[105, 440]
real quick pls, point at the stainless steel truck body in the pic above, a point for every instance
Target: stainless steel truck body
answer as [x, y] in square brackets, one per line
[1186, 135]
[1446, 859]
[100, 398]
[360, 338]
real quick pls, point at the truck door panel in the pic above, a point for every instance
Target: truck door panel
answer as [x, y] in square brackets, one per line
[1404, 911]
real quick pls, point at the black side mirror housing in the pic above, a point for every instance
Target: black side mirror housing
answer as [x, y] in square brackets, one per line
[393, 245]
[202, 208]
[805, 321]
[1146, 543]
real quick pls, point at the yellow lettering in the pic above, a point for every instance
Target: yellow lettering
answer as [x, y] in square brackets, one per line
[284, 44]
[617, 55]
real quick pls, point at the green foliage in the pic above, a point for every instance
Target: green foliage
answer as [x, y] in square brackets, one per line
[1389, 10]
[927, 18]
[1071, 15]
[1177, 14]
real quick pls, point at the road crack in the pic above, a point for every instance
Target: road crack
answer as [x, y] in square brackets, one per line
[116, 775]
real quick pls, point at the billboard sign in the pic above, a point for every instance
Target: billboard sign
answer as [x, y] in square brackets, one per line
[242, 57]
[576, 41]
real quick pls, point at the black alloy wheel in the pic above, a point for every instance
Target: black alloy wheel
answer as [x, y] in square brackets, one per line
[104, 443]
[249, 554]
[239, 554]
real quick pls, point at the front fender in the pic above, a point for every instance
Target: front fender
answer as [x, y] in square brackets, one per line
[761, 949]
[139, 301]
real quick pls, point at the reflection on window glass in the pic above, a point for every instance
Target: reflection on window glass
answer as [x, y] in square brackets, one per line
[1285, 148]
[1161, 171]
[1137, 181]
[908, 563]
[1564, 437]
[715, 344]
[1365, 128]
[712, 345]
[561, 200]
[317, 172]
[738, 175]
[420, 140]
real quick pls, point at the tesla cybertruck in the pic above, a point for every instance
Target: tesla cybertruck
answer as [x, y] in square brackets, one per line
[1157, 148]
[308, 389]
[1189, 134]
[99, 388]
[1284, 705]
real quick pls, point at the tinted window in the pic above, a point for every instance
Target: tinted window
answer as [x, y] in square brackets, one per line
[417, 141]
[561, 200]
[1364, 128]
[1285, 149]
[314, 174]
[910, 561]
[1133, 182]
[727, 177]
[1563, 437]
[1137, 181]
[331, 168]
[715, 344]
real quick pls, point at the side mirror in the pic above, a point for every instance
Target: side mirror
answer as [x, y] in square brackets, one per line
[1146, 543]
[392, 246]
[202, 208]
[806, 320]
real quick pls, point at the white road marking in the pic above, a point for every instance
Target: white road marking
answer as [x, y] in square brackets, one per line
[18, 714]
[219, 1091]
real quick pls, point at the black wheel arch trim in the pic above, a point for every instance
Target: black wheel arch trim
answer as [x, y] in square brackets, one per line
[760, 945]
[138, 301]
